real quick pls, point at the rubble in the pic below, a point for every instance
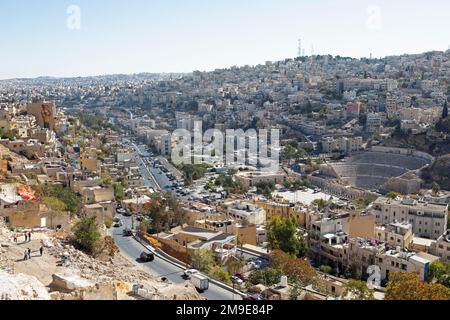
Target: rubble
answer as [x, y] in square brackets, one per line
[21, 287]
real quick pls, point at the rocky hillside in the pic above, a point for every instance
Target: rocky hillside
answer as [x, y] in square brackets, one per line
[439, 172]
[81, 278]
[436, 146]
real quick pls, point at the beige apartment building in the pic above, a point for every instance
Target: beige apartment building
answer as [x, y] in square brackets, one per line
[342, 144]
[428, 220]
[441, 247]
[395, 234]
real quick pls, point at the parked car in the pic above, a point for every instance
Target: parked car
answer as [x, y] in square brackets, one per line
[237, 280]
[258, 264]
[118, 224]
[147, 257]
[241, 276]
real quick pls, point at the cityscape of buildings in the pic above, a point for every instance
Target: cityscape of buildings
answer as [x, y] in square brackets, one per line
[361, 195]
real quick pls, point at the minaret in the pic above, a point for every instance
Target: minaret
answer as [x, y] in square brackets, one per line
[299, 47]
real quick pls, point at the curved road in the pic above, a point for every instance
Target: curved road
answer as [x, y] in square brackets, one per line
[131, 249]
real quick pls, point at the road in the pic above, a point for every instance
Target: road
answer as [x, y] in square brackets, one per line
[131, 249]
[153, 177]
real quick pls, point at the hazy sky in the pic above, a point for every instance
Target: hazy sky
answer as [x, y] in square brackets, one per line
[40, 37]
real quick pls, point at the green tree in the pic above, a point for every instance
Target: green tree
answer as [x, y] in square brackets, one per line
[87, 234]
[145, 226]
[267, 277]
[71, 199]
[118, 191]
[326, 269]
[265, 188]
[202, 260]
[295, 291]
[358, 290]
[219, 274]
[392, 195]
[54, 204]
[282, 235]
[440, 273]
[165, 212]
[320, 203]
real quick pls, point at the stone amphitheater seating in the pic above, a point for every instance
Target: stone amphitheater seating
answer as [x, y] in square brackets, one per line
[370, 170]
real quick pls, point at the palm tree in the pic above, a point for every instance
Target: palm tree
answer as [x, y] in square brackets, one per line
[436, 188]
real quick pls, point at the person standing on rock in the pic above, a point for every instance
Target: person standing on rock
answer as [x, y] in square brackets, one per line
[41, 250]
[15, 238]
[29, 253]
[25, 255]
[26, 237]
[29, 236]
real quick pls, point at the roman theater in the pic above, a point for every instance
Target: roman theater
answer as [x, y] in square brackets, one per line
[379, 169]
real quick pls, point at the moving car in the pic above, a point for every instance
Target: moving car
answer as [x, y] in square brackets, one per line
[147, 257]
[121, 211]
[189, 272]
[127, 233]
[118, 224]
